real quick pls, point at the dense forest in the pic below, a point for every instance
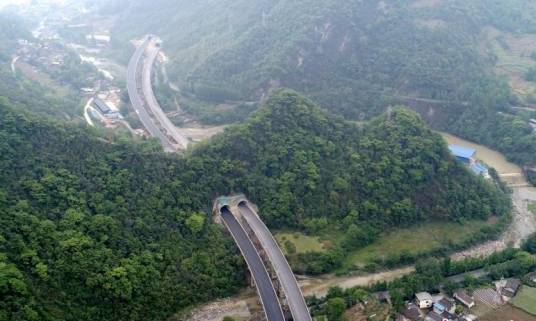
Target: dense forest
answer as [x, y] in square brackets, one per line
[92, 229]
[353, 57]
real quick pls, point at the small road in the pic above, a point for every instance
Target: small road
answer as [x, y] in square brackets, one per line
[294, 296]
[265, 288]
[86, 114]
[13, 62]
[459, 278]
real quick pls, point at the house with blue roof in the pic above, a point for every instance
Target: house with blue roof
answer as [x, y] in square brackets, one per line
[466, 155]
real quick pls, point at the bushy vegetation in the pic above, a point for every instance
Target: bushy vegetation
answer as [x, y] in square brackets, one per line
[98, 230]
[94, 231]
[530, 244]
[430, 274]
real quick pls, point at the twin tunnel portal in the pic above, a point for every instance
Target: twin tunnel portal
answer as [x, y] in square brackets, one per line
[278, 290]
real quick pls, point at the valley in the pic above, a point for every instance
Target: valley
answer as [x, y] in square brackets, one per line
[523, 224]
[388, 146]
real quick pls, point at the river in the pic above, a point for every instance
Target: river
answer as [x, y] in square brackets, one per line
[523, 221]
[485, 154]
[523, 224]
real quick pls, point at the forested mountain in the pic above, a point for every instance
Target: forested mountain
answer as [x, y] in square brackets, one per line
[327, 49]
[354, 57]
[99, 230]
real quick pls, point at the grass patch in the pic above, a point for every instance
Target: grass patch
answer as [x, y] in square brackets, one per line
[526, 300]
[415, 240]
[531, 206]
[302, 242]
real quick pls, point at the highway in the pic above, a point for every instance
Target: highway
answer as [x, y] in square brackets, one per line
[151, 53]
[138, 79]
[269, 299]
[286, 277]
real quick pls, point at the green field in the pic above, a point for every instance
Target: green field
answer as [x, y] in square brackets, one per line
[302, 242]
[414, 240]
[526, 300]
[531, 206]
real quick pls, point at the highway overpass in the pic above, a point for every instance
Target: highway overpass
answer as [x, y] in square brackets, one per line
[238, 209]
[143, 100]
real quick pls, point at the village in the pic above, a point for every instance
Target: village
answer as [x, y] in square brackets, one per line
[463, 305]
[64, 55]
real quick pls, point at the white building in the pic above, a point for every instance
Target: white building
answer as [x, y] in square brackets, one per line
[424, 300]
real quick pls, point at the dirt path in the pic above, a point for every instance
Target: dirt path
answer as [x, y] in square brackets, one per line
[216, 311]
[320, 286]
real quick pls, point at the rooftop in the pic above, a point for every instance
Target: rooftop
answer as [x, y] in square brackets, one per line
[512, 284]
[479, 169]
[463, 296]
[423, 296]
[460, 151]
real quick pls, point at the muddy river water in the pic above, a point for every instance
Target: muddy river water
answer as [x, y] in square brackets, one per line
[524, 221]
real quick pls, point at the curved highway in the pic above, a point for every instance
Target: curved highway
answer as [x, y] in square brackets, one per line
[265, 288]
[288, 282]
[152, 50]
[142, 97]
[137, 101]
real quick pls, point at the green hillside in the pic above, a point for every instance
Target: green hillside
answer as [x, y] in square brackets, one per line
[353, 57]
[99, 230]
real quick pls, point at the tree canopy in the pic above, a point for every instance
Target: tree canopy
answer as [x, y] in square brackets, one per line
[100, 230]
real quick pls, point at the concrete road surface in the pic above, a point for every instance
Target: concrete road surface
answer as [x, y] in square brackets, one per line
[266, 291]
[295, 299]
[138, 102]
[147, 87]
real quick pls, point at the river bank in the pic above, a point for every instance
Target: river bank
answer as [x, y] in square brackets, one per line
[523, 224]
[523, 221]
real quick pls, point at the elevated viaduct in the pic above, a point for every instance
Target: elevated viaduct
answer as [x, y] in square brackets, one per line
[139, 73]
[251, 235]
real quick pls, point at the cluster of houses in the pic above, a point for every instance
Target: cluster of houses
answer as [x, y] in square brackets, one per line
[427, 307]
[46, 53]
[438, 308]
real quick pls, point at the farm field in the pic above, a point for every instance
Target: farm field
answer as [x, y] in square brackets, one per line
[526, 300]
[302, 242]
[415, 240]
[506, 313]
